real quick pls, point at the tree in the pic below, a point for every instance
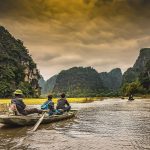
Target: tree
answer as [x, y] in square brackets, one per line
[132, 88]
[26, 88]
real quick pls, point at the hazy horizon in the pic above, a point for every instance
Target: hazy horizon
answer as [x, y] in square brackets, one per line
[103, 34]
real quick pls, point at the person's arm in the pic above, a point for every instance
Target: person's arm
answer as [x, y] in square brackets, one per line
[43, 106]
[67, 103]
[23, 104]
[20, 106]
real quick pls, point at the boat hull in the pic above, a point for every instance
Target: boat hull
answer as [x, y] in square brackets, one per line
[31, 120]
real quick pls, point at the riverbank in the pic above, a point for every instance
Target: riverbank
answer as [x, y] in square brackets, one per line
[145, 96]
[39, 101]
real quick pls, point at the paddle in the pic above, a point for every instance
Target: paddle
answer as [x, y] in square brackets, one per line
[38, 122]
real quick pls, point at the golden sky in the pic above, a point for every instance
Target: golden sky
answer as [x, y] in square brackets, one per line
[60, 34]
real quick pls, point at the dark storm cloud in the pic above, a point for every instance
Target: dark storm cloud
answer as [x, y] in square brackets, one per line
[44, 9]
[139, 3]
[65, 33]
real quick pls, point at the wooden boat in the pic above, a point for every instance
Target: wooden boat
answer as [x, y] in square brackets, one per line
[32, 119]
[131, 99]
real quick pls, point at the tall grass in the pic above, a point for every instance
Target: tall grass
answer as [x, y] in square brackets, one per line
[39, 101]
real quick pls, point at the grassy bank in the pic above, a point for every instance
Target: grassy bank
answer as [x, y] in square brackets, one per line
[39, 101]
[146, 96]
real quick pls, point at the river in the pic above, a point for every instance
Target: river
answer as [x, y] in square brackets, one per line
[111, 124]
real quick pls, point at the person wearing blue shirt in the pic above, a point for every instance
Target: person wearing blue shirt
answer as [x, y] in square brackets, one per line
[49, 105]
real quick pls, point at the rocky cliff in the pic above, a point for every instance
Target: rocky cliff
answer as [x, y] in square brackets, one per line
[47, 86]
[142, 60]
[17, 67]
[42, 83]
[139, 67]
[112, 80]
[78, 81]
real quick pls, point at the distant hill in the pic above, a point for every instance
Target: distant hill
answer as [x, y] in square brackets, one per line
[50, 83]
[139, 67]
[47, 86]
[42, 83]
[112, 80]
[18, 70]
[78, 81]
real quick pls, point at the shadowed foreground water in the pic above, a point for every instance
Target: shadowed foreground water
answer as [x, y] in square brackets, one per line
[101, 125]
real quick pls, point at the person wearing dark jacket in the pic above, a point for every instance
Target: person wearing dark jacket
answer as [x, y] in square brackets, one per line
[130, 97]
[20, 105]
[49, 105]
[63, 103]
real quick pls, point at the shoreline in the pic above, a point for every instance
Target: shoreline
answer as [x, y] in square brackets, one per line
[37, 101]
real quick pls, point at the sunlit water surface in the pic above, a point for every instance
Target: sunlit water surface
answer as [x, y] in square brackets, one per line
[112, 124]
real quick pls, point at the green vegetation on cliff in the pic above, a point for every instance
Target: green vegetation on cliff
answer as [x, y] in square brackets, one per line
[144, 77]
[136, 80]
[139, 67]
[86, 82]
[112, 80]
[17, 67]
[79, 81]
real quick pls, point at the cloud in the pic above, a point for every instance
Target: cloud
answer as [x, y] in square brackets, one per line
[62, 34]
[49, 57]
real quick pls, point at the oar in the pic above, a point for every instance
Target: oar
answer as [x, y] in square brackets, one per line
[38, 122]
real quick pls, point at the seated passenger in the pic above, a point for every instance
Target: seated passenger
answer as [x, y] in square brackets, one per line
[63, 103]
[20, 106]
[131, 97]
[49, 105]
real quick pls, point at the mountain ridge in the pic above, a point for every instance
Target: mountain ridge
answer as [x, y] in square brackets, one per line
[112, 81]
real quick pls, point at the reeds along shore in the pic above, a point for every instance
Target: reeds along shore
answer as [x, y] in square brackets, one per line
[4, 103]
[39, 101]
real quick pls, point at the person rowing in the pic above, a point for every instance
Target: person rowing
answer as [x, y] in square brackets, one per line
[19, 107]
[130, 97]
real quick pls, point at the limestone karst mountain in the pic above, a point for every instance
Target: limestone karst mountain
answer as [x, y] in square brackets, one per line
[78, 81]
[17, 68]
[112, 80]
[139, 67]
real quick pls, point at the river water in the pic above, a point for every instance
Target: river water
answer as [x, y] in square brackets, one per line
[112, 124]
